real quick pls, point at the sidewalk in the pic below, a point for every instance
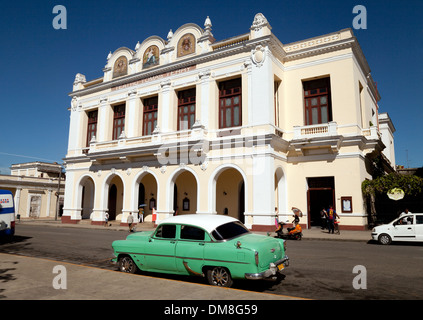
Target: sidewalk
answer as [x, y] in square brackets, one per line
[28, 278]
[314, 233]
[33, 278]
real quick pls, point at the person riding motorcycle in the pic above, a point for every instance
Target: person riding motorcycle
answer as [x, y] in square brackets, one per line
[293, 233]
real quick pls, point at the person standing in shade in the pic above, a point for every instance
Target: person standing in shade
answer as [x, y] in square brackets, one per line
[141, 213]
[323, 217]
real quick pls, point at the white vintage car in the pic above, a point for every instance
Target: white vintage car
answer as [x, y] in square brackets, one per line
[408, 227]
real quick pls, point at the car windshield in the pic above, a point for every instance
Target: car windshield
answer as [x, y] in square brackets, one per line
[229, 231]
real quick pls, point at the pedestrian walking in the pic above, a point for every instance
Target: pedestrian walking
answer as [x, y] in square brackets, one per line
[331, 217]
[130, 221]
[106, 219]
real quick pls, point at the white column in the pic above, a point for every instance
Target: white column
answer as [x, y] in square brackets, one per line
[17, 200]
[70, 208]
[165, 112]
[75, 130]
[263, 190]
[132, 115]
[205, 98]
[104, 115]
[261, 110]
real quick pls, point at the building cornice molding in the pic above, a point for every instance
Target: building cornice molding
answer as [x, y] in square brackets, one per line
[319, 49]
[348, 43]
[195, 60]
[280, 51]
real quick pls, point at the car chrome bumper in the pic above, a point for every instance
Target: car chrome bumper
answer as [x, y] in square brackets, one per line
[270, 273]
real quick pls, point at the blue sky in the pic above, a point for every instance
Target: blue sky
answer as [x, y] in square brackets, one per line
[39, 63]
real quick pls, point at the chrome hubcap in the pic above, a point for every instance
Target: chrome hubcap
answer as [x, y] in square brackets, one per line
[126, 265]
[220, 276]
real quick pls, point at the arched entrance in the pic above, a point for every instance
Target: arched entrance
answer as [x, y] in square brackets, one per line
[87, 189]
[230, 193]
[115, 198]
[183, 191]
[146, 196]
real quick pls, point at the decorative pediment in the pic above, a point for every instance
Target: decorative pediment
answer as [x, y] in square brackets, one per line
[187, 41]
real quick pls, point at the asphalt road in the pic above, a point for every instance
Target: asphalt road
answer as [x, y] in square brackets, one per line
[319, 269]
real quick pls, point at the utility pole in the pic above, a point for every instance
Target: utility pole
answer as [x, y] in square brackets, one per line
[58, 193]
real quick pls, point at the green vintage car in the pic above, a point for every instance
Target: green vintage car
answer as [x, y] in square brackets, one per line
[214, 246]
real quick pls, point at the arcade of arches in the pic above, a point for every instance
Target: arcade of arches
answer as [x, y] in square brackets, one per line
[224, 192]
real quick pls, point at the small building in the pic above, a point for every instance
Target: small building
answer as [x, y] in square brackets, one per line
[247, 126]
[36, 188]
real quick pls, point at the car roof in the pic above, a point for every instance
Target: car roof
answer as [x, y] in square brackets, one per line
[208, 222]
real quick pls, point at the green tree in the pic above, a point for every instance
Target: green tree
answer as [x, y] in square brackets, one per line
[412, 185]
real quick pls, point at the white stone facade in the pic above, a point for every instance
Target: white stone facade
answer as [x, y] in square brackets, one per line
[194, 125]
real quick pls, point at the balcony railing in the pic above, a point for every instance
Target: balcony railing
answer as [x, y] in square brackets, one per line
[324, 129]
[371, 133]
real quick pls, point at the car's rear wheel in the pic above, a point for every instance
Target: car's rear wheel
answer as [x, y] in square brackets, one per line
[384, 239]
[126, 264]
[219, 276]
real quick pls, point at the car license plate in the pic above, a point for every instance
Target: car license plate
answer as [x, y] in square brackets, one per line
[281, 266]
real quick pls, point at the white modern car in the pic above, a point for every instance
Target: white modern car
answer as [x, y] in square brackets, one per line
[408, 227]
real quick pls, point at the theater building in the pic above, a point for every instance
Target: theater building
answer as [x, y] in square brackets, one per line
[241, 126]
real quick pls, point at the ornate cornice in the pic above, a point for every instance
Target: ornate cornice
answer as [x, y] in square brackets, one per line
[284, 53]
[198, 59]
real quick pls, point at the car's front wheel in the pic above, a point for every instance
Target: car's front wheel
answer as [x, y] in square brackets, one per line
[219, 276]
[126, 264]
[384, 239]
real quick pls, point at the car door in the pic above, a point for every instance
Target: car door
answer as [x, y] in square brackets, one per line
[419, 227]
[160, 249]
[190, 250]
[403, 229]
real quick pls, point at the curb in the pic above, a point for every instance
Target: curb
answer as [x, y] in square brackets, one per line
[308, 234]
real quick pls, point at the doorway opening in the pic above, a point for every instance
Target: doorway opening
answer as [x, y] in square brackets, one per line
[320, 195]
[184, 196]
[147, 196]
[230, 193]
[112, 202]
